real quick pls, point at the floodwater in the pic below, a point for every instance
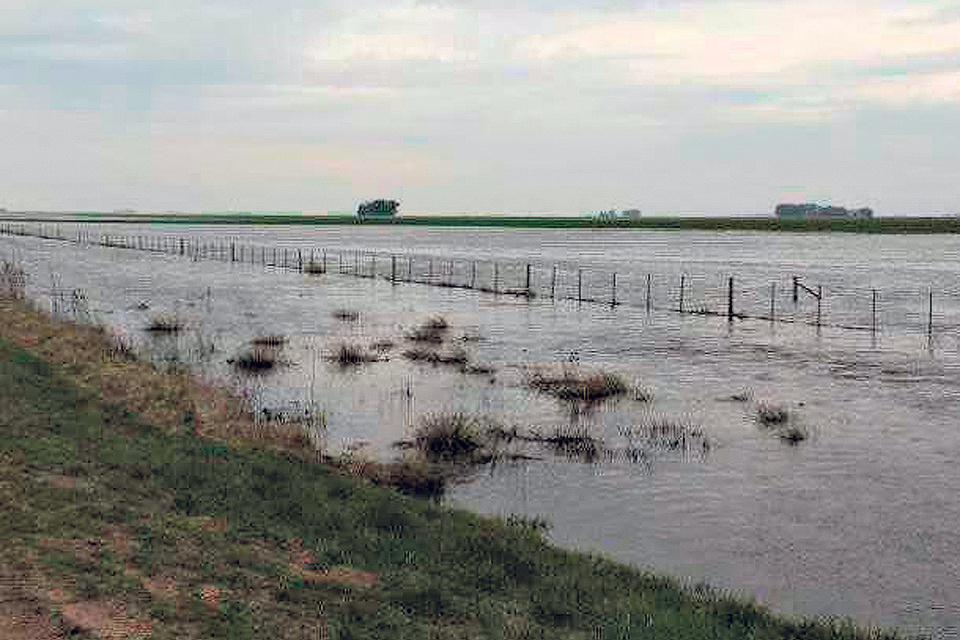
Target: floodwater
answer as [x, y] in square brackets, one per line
[859, 519]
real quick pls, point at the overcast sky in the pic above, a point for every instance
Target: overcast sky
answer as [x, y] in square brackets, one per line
[720, 106]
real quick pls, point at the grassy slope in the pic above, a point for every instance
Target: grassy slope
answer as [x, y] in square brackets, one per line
[195, 539]
[921, 225]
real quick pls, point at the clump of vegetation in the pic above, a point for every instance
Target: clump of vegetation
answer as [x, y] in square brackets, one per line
[669, 435]
[269, 341]
[314, 268]
[383, 345]
[457, 357]
[773, 415]
[741, 396]
[573, 385]
[642, 394]
[449, 436]
[256, 361]
[13, 280]
[165, 323]
[480, 369]
[352, 354]
[460, 438]
[433, 330]
[782, 422]
[576, 444]
[346, 315]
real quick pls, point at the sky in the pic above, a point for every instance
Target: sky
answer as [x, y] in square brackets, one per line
[462, 106]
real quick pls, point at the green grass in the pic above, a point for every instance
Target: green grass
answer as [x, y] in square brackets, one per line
[896, 225]
[288, 547]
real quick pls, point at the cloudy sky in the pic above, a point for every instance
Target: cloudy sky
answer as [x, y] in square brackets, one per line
[672, 106]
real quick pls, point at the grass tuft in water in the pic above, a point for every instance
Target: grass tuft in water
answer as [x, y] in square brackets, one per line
[642, 394]
[346, 315]
[255, 361]
[433, 330]
[450, 436]
[457, 357]
[782, 422]
[352, 354]
[165, 323]
[573, 385]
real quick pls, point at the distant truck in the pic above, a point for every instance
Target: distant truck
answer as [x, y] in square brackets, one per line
[809, 211]
[378, 209]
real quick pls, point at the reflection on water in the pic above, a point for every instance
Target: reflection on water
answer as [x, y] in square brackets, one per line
[858, 519]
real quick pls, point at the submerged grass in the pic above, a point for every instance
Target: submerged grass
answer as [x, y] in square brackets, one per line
[782, 422]
[255, 361]
[571, 384]
[127, 507]
[165, 323]
[433, 330]
[347, 355]
[346, 315]
[314, 268]
[269, 341]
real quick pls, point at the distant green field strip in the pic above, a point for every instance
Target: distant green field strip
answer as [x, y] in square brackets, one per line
[896, 225]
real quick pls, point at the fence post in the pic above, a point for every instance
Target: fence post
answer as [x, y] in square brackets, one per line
[873, 315]
[819, 301]
[496, 277]
[324, 261]
[299, 261]
[373, 265]
[579, 284]
[473, 275]
[528, 280]
[796, 288]
[773, 298]
[613, 293]
[648, 293]
[393, 269]
[683, 280]
[930, 314]
[730, 299]
[553, 283]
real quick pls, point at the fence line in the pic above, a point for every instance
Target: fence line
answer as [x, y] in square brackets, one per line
[807, 304]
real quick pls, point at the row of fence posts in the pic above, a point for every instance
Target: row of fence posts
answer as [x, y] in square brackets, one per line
[240, 253]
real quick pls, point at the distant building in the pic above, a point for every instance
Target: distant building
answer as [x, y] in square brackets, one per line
[613, 215]
[378, 209]
[810, 211]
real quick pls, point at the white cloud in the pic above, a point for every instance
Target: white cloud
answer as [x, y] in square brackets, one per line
[767, 42]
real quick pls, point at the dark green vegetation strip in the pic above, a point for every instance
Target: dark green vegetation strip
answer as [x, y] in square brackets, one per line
[263, 546]
[922, 225]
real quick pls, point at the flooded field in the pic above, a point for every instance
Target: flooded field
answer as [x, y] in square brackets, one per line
[815, 470]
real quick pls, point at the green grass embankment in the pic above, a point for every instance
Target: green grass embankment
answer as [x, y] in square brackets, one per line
[161, 533]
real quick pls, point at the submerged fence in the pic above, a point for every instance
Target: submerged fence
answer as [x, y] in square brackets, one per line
[789, 299]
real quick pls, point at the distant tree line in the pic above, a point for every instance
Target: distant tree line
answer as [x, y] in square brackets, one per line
[379, 208]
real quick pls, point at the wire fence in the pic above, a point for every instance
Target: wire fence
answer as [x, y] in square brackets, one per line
[787, 299]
